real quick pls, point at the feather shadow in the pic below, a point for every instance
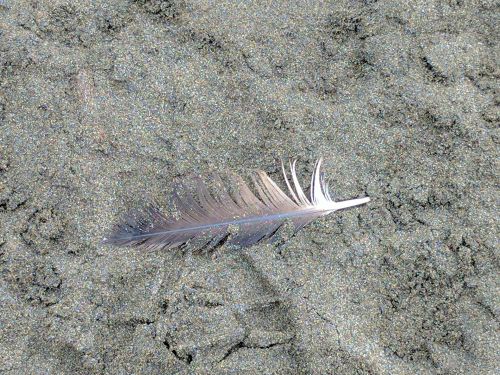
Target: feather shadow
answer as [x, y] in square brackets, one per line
[206, 219]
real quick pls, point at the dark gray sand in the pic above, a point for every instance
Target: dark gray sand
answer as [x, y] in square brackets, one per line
[104, 105]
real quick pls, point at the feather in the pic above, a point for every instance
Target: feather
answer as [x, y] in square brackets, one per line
[207, 220]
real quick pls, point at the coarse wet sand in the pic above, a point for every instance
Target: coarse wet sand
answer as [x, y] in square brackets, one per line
[104, 105]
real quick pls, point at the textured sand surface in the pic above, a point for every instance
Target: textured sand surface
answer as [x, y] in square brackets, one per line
[105, 104]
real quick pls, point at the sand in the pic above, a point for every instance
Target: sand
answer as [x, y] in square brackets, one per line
[104, 105]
